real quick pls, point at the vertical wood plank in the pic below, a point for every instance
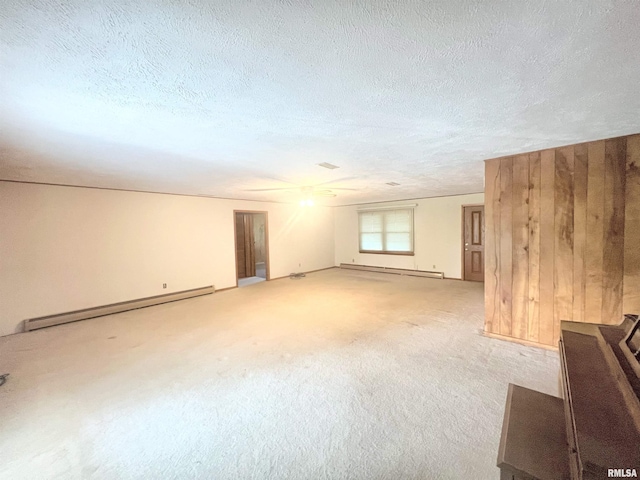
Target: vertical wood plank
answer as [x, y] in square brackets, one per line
[595, 232]
[631, 287]
[580, 172]
[492, 246]
[547, 245]
[613, 258]
[240, 244]
[506, 194]
[563, 212]
[249, 246]
[533, 323]
[520, 251]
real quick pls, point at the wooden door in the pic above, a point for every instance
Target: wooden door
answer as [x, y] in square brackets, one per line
[245, 247]
[473, 237]
[249, 246]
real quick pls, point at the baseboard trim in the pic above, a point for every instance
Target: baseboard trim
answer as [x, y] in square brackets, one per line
[396, 271]
[520, 341]
[225, 289]
[310, 271]
[77, 315]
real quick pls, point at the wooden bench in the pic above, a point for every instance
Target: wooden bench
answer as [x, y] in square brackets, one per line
[533, 445]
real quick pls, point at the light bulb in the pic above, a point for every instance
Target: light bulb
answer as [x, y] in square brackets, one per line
[310, 203]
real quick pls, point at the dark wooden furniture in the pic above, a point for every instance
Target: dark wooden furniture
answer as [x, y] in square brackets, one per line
[533, 418]
[594, 433]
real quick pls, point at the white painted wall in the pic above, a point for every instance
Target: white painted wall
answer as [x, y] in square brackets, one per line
[66, 248]
[438, 236]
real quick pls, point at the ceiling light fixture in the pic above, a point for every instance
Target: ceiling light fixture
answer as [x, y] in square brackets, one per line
[330, 166]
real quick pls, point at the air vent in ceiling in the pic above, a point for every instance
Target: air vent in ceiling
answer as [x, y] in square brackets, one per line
[330, 166]
[393, 184]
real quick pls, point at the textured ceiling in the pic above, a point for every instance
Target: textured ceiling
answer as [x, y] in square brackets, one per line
[220, 98]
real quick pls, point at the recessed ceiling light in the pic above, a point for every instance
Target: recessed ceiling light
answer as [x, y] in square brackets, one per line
[330, 166]
[393, 184]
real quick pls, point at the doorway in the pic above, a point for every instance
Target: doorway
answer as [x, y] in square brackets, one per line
[473, 243]
[252, 247]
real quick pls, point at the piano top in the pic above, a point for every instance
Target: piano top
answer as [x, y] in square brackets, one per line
[605, 408]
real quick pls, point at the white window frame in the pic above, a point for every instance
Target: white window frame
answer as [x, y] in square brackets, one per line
[384, 250]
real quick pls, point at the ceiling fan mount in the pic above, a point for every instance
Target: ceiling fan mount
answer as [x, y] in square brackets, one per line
[312, 192]
[306, 192]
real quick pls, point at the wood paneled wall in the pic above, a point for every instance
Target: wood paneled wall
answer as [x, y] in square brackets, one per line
[631, 283]
[562, 235]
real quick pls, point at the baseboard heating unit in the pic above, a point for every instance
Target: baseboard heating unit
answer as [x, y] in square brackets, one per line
[397, 271]
[51, 320]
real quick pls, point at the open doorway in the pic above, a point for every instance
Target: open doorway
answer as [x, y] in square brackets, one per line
[252, 247]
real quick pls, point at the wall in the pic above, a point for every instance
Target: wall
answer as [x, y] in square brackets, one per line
[438, 236]
[67, 248]
[556, 225]
[631, 282]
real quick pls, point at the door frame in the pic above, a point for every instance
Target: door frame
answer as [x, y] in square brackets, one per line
[462, 207]
[266, 240]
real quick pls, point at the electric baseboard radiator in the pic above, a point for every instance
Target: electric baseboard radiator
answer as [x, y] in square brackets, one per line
[397, 271]
[51, 320]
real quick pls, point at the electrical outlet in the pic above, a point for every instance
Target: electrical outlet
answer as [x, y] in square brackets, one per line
[300, 264]
[434, 266]
[353, 260]
[164, 285]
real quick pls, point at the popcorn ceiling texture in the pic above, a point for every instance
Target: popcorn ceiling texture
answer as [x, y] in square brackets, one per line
[223, 97]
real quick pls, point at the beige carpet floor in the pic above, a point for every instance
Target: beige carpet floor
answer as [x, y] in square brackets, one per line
[340, 375]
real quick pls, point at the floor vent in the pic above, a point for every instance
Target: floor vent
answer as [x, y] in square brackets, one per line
[51, 320]
[397, 271]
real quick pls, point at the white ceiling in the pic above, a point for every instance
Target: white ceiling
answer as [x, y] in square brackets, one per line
[220, 98]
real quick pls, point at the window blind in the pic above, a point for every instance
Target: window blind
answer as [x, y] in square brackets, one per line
[386, 231]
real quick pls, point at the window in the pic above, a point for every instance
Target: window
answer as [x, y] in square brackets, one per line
[387, 231]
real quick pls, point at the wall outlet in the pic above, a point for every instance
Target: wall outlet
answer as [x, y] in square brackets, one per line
[353, 260]
[164, 285]
[300, 264]
[434, 266]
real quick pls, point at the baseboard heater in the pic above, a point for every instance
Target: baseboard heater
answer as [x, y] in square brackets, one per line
[51, 320]
[397, 271]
